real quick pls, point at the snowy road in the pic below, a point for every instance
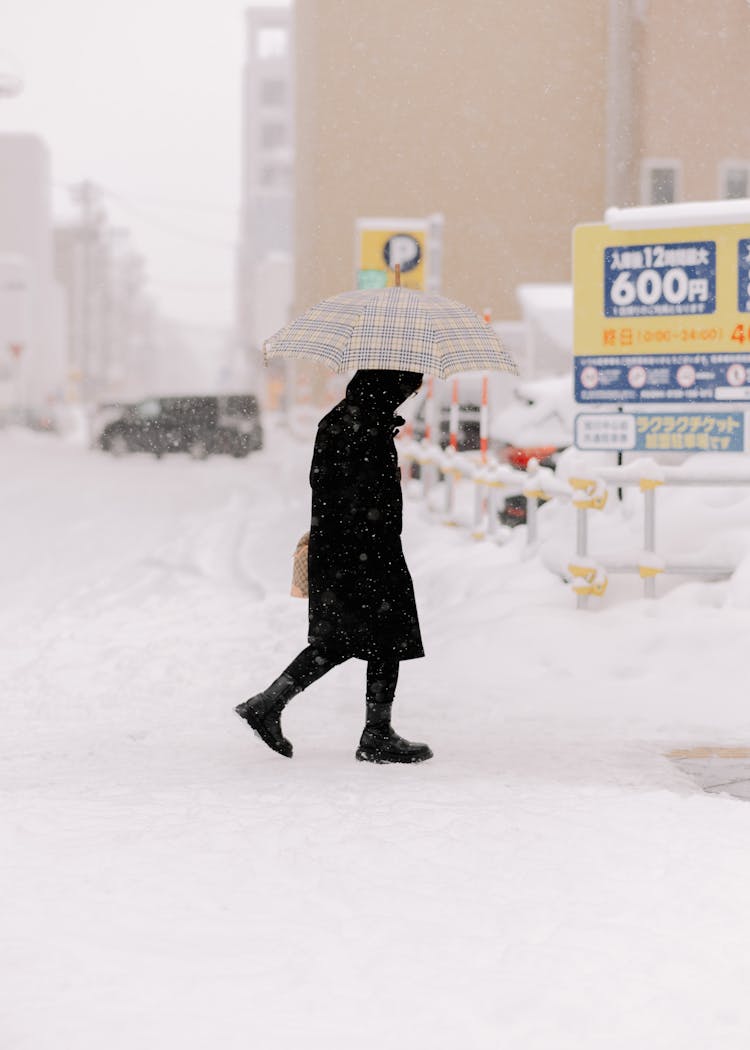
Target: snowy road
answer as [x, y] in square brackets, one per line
[550, 880]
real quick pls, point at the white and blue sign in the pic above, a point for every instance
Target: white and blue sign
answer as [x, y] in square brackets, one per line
[660, 280]
[687, 431]
[635, 379]
[605, 431]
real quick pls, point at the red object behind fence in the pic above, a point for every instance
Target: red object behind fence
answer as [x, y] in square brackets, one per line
[519, 457]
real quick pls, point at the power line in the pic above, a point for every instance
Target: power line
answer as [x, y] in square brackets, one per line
[170, 202]
[173, 231]
[189, 286]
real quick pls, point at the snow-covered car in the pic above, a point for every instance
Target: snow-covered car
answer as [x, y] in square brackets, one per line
[537, 424]
[201, 426]
[534, 419]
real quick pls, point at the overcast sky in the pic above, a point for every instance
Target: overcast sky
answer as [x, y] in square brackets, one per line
[143, 98]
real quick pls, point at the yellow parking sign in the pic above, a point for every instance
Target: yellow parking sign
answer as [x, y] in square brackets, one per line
[661, 312]
[383, 243]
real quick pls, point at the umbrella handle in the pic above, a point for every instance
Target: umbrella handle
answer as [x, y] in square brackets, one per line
[397, 273]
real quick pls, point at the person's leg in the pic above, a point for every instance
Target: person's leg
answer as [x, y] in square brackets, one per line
[312, 663]
[382, 678]
[379, 741]
[263, 712]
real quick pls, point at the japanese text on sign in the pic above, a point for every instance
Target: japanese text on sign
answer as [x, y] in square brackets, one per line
[649, 280]
[690, 432]
[661, 315]
[612, 431]
[661, 431]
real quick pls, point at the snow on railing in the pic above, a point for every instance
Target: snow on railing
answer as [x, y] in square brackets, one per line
[492, 481]
[589, 576]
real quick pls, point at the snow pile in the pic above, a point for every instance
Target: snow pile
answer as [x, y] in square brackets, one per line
[542, 413]
[701, 526]
[549, 879]
[684, 213]
[547, 311]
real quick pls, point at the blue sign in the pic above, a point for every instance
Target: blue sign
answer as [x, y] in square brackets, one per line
[660, 280]
[630, 378]
[691, 430]
[743, 275]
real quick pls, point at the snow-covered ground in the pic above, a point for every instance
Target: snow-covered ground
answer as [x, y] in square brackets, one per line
[550, 881]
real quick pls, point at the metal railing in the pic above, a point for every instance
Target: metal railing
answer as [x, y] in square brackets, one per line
[591, 574]
[588, 575]
[493, 481]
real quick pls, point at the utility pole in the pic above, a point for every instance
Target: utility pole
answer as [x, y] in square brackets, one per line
[11, 81]
[621, 186]
[91, 220]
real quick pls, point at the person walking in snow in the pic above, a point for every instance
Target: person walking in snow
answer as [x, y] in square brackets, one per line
[361, 594]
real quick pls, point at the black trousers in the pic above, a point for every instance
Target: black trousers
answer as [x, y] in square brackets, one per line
[315, 661]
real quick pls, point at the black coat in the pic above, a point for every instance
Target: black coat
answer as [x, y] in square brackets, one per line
[361, 593]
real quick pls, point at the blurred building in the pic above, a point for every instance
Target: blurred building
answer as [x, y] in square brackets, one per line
[264, 263]
[110, 348]
[15, 307]
[32, 364]
[516, 121]
[11, 81]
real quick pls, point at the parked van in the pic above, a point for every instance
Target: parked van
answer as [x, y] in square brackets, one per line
[200, 426]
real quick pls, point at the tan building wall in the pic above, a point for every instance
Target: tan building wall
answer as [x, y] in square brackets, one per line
[488, 112]
[695, 79]
[495, 115]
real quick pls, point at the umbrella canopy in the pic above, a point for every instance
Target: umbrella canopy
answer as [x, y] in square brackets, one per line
[393, 328]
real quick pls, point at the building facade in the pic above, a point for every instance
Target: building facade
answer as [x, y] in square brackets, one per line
[31, 301]
[515, 121]
[264, 263]
[693, 136]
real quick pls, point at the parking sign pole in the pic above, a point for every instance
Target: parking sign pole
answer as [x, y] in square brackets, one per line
[581, 548]
[649, 537]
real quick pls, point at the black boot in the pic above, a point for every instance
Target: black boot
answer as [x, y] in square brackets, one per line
[263, 713]
[381, 743]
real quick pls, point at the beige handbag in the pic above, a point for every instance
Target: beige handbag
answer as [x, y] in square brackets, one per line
[299, 570]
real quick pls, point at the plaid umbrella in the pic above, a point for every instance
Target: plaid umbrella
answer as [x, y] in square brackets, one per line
[392, 328]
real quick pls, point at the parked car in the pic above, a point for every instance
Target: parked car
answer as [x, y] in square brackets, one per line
[104, 413]
[200, 426]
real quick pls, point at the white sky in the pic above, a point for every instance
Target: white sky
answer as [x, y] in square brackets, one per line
[143, 98]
